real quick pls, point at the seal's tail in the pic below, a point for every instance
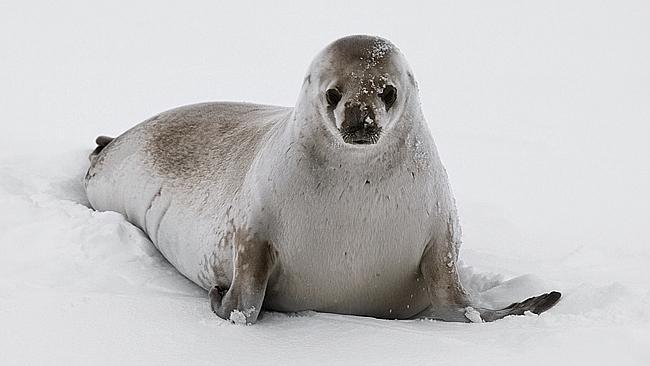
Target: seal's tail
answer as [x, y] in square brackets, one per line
[102, 142]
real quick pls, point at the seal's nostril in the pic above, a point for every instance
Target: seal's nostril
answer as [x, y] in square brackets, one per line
[369, 117]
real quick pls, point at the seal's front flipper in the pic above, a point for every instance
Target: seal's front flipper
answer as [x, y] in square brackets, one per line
[253, 263]
[536, 305]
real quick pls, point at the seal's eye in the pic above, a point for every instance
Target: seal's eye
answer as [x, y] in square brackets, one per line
[388, 95]
[333, 97]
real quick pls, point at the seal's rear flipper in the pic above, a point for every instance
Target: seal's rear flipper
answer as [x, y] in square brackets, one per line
[536, 305]
[449, 300]
[101, 142]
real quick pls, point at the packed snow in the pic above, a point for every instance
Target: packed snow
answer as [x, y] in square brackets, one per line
[540, 112]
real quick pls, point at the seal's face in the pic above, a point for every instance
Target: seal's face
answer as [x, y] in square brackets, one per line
[360, 88]
[360, 124]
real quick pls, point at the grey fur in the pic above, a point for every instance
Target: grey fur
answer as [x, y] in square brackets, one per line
[269, 205]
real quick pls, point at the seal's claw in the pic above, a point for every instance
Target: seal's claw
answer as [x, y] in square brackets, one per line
[215, 295]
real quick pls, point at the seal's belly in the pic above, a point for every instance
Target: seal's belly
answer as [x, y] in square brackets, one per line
[375, 273]
[337, 256]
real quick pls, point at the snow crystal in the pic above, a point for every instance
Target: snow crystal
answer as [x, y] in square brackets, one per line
[473, 315]
[379, 49]
[239, 317]
[371, 82]
[420, 152]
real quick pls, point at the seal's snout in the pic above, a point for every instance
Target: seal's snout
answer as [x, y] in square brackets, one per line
[359, 126]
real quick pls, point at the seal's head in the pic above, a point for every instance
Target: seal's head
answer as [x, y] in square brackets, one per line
[360, 85]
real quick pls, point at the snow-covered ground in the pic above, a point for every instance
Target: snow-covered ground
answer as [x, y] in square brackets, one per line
[541, 111]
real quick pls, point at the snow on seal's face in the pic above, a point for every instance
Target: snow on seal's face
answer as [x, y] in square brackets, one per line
[362, 84]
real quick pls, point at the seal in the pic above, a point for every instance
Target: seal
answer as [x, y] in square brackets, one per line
[340, 204]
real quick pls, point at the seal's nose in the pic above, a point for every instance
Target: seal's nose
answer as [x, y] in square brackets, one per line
[358, 117]
[359, 125]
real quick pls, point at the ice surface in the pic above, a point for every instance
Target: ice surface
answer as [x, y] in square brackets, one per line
[540, 112]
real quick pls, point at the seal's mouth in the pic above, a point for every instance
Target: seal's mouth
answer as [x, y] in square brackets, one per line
[366, 135]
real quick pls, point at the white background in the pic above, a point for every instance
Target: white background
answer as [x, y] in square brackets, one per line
[541, 111]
